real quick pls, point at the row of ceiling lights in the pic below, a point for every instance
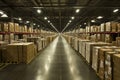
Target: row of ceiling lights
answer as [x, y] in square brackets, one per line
[100, 17]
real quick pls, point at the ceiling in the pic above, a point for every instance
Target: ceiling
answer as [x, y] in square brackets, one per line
[59, 12]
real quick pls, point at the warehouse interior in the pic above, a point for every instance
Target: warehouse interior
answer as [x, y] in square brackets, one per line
[59, 39]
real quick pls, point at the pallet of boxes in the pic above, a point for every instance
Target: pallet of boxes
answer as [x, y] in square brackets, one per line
[19, 53]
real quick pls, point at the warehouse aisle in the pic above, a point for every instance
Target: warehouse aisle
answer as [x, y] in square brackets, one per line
[57, 62]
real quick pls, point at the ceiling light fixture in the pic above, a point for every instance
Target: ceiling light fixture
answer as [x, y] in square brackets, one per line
[4, 15]
[27, 21]
[48, 21]
[72, 18]
[1, 12]
[34, 24]
[99, 17]
[116, 10]
[39, 11]
[38, 25]
[92, 20]
[84, 23]
[70, 21]
[77, 10]
[45, 18]
[19, 19]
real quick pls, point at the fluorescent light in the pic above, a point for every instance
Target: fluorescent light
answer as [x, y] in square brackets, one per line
[1, 12]
[80, 25]
[39, 11]
[34, 24]
[27, 21]
[45, 18]
[116, 10]
[72, 17]
[38, 25]
[70, 21]
[4, 15]
[77, 10]
[19, 19]
[48, 21]
[84, 23]
[99, 17]
[92, 20]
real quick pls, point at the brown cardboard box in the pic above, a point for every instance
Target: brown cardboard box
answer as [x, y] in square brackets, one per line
[118, 41]
[95, 58]
[11, 26]
[103, 27]
[1, 37]
[89, 48]
[116, 66]
[108, 38]
[20, 53]
[111, 26]
[37, 42]
[82, 47]
[109, 65]
[16, 28]
[101, 68]
[118, 27]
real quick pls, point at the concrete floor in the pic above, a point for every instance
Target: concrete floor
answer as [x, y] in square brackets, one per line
[57, 62]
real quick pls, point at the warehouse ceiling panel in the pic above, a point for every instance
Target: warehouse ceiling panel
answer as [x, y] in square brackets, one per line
[60, 14]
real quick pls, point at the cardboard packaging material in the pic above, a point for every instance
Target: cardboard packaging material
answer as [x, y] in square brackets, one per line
[82, 47]
[118, 41]
[37, 42]
[89, 48]
[118, 27]
[95, 57]
[109, 65]
[11, 26]
[103, 27]
[101, 68]
[116, 66]
[16, 28]
[108, 38]
[20, 53]
[1, 37]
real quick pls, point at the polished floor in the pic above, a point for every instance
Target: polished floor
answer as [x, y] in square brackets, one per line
[57, 62]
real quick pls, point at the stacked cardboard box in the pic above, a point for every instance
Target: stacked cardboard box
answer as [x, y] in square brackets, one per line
[102, 63]
[89, 48]
[95, 58]
[116, 66]
[1, 37]
[11, 26]
[19, 53]
[37, 42]
[118, 27]
[16, 28]
[103, 27]
[82, 47]
[108, 38]
[109, 65]
[118, 41]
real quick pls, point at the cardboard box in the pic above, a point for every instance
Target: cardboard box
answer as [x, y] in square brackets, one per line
[20, 53]
[11, 26]
[82, 47]
[89, 50]
[1, 37]
[116, 67]
[95, 57]
[118, 27]
[103, 27]
[101, 68]
[16, 28]
[37, 42]
[118, 41]
[109, 65]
